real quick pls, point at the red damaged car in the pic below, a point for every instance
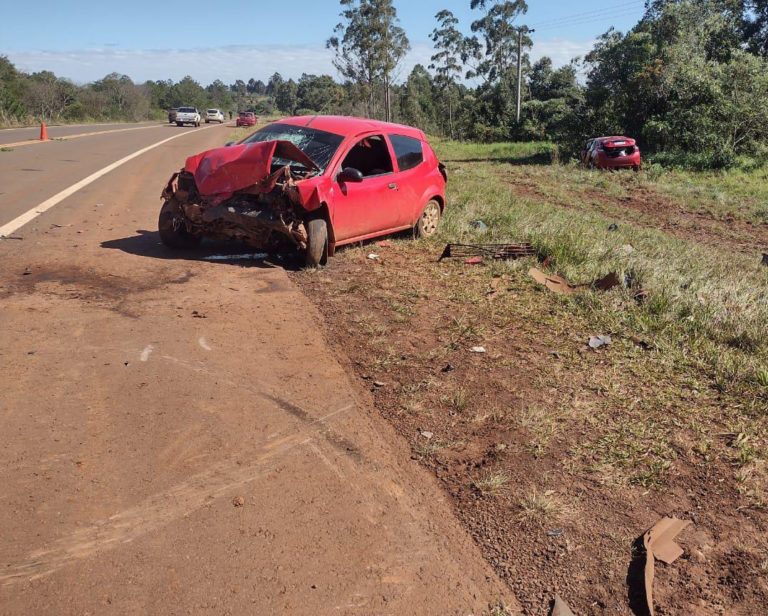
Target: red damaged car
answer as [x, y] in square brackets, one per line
[612, 153]
[308, 184]
[246, 118]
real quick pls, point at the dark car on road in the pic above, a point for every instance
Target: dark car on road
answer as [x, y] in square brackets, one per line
[611, 153]
[307, 184]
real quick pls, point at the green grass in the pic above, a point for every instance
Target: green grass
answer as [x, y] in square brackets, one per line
[709, 308]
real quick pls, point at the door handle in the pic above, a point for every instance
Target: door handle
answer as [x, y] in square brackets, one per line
[392, 186]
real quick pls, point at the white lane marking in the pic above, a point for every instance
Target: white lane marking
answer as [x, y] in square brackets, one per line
[46, 205]
[204, 343]
[147, 352]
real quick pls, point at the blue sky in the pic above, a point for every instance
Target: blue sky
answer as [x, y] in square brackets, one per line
[87, 39]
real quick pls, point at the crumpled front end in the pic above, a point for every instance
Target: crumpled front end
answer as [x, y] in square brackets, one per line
[249, 192]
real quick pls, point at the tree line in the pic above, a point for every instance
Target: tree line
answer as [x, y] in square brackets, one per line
[689, 81]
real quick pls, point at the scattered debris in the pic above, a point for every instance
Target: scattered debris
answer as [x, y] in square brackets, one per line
[447, 368]
[607, 282]
[238, 501]
[478, 225]
[659, 543]
[379, 384]
[555, 532]
[613, 227]
[246, 257]
[477, 349]
[561, 608]
[765, 258]
[373, 256]
[500, 252]
[595, 342]
[384, 244]
[474, 261]
[11, 237]
[146, 352]
[556, 284]
[627, 249]
[198, 315]
[562, 286]
[426, 434]
[26, 272]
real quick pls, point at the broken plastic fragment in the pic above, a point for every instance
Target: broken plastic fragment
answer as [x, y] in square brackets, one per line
[595, 342]
[477, 349]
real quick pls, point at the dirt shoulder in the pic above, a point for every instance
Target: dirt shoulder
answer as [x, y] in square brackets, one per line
[179, 438]
[556, 457]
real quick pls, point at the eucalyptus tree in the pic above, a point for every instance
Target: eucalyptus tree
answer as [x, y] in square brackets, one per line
[369, 46]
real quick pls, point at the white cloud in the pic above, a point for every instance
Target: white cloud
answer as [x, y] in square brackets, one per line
[229, 63]
[561, 50]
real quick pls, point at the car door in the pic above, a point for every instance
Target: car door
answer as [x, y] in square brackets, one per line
[411, 177]
[374, 204]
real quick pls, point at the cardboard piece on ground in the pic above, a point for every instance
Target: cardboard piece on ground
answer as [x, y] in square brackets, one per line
[556, 284]
[659, 543]
[561, 608]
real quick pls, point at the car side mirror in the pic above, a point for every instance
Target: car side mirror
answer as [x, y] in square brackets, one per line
[350, 174]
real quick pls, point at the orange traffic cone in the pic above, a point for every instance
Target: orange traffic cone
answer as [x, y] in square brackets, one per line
[43, 132]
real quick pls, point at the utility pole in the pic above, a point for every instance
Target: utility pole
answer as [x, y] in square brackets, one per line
[520, 69]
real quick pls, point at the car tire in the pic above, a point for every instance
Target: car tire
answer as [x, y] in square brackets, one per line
[173, 234]
[429, 220]
[317, 243]
[179, 123]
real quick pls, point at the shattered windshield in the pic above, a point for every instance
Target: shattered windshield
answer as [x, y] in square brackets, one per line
[319, 145]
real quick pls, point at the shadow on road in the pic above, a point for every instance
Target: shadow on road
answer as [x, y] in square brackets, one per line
[147, 244]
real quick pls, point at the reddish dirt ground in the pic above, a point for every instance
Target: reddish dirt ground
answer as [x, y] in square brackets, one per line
[177, 438]
[521, 411]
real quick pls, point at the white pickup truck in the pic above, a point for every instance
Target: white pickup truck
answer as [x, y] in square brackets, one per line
[187, 115]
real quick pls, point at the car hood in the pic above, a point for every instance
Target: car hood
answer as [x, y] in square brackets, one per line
[229, 169]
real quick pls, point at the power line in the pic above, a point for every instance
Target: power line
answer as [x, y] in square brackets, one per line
[588, 20]
[576, 17]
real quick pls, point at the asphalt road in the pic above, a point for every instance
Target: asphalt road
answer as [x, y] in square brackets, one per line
[12, 135]
[175, 435]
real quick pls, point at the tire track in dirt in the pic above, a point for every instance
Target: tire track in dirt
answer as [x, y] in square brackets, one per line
[161, 509]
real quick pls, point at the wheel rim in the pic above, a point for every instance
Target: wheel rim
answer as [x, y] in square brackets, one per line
[430, 218]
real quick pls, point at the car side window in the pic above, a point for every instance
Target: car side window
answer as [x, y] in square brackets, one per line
[408, 151]
[370, 156]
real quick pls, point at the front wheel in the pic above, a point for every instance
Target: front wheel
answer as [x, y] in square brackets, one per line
[172, 228]
[317, 243]
[429, 220]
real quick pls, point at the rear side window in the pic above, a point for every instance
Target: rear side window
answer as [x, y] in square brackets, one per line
[408, 151]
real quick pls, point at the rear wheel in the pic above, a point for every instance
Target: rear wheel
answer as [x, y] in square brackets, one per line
[173, 230]
[317, 242]
[179, 123]
[429, 220]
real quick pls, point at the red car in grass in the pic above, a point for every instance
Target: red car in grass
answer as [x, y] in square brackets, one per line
[310, 184]
[246, 118]
[612, 153]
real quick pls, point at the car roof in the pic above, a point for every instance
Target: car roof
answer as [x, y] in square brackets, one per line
[350, 126]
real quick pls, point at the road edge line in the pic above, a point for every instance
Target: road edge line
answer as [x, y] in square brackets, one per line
[30, 215]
